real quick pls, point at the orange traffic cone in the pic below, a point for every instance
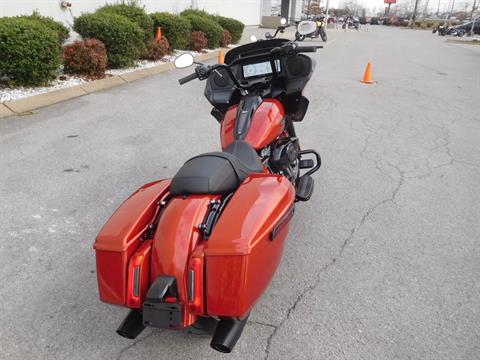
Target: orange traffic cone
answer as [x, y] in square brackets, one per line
[220, 57]
[367, 77]
[158, 34]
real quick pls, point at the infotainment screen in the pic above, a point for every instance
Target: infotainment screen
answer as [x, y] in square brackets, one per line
[259, 69]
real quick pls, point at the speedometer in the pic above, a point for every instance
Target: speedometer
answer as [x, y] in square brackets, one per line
[259, 69]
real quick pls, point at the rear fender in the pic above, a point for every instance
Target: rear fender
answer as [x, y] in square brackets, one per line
[173, 246]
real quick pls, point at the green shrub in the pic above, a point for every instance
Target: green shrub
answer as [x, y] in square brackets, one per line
[156, 50]
[176, 28]
[212, 29]
[133, 12]
[234, 27]
[198, 41]
[122, 38]
[29, 52]
[195, 12]
[58, 27]
[85, 57]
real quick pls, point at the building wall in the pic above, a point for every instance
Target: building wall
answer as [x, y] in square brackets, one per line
[247, 11]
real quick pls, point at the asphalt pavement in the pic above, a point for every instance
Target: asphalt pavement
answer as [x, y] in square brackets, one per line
[382, 263]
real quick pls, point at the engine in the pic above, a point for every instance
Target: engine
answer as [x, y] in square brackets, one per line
[283, 157]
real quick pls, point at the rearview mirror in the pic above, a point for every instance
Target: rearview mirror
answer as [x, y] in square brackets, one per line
[184, 60]
[283, 21]
[306, 27]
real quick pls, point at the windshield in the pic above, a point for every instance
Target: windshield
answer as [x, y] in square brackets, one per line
[252, 49]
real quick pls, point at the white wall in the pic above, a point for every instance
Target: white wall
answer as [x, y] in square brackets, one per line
[247, 11]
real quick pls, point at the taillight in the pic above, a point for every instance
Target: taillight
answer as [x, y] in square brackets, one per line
[138, 276]
[195, 285]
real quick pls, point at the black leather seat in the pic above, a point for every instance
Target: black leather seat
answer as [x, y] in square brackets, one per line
[217, 172]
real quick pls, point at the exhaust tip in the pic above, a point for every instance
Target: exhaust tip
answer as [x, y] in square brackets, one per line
[227, 333]
[132, 325]
[125, 334]
[221, 348]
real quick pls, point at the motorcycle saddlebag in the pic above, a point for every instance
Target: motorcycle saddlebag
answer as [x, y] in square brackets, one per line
[121, 238]
[246, 244]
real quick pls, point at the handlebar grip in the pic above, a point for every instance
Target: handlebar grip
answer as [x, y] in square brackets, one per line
[305, 49]
[188, 78]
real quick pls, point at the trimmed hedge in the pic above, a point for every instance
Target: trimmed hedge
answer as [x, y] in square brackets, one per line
[226, 39]
[122, 38]
[85, 57]
[195, 12]
[29, 52]
[211, 28]
[198, 41]
[133, 12]
[175, 28]
[234, 27]
[156, 50]
[62, 31]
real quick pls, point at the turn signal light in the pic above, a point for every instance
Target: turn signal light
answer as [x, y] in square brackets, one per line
[138, 276]
[195, 285]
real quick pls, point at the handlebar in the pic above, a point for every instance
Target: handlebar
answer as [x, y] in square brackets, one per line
[292, 48]
[188, 78]
[203, 71]
[305, 49]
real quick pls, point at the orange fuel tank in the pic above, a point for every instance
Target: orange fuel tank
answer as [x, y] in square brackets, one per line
[268, 123]
[246, 244]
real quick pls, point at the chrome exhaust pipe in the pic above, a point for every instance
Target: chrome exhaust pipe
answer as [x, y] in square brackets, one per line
[132, 325]
[227, 333]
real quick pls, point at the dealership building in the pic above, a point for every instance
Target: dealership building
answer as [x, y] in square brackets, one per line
[250, 12]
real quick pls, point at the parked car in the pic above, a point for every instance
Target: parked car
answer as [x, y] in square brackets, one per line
[374, 21]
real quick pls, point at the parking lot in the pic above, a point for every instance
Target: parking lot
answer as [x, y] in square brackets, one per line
[382, 263]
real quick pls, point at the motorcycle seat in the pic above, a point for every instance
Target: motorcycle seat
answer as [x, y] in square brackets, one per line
[217, 172]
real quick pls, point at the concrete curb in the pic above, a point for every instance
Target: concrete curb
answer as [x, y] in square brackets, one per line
[5, 111]
[470, 41]
[17, 107]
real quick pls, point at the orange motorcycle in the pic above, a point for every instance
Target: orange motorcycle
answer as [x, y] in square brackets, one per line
[199, 250]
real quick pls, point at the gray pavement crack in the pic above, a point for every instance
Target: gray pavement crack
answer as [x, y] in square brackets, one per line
[348, 239]
[345, 243]
[260, 323]
[133, 344]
